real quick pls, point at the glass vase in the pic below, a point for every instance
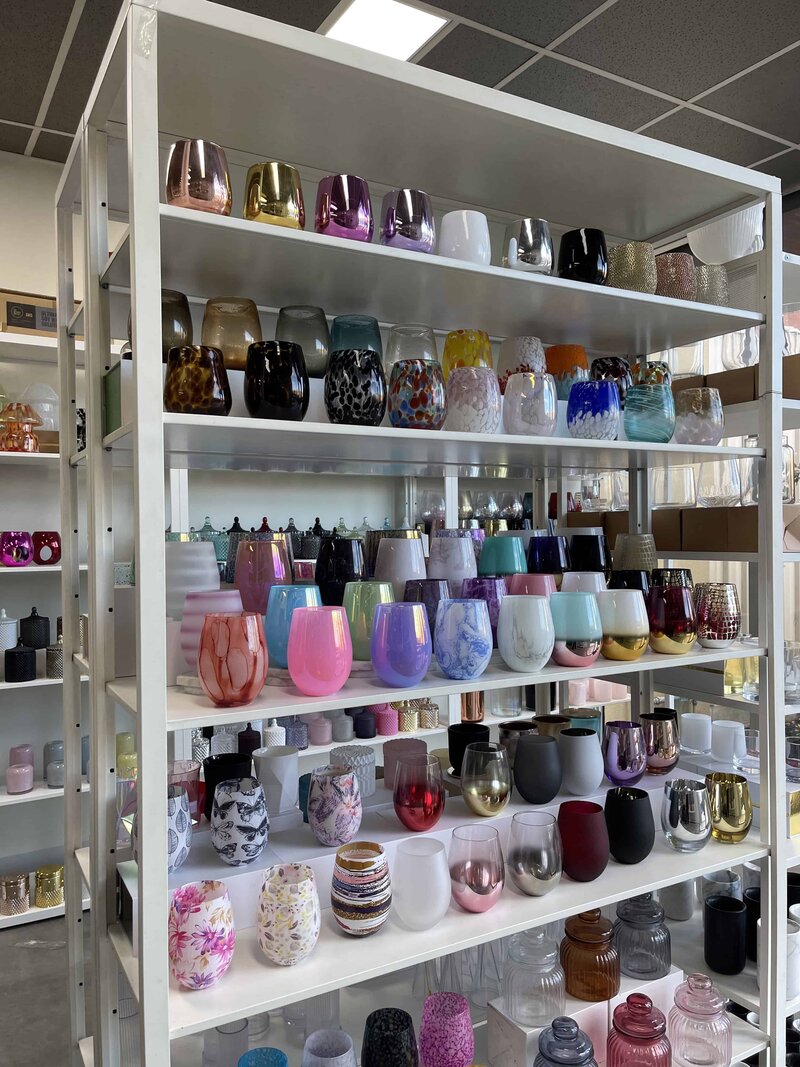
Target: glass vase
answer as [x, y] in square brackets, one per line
[355, 387]
[649, 413]
[568, 364]
[593, 410]
[473, 400]
[466, 348]
[699, 418]
[276, 381]
[533, 979]
[232, 658]
[306, 326]
[196, 381]
[417, 395]
[231, 324]
[642, 939]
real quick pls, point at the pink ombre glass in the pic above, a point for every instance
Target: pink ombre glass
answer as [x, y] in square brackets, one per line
[259, 566]
[531, 584]
[320, 653]
[232, 659]
[477, 870]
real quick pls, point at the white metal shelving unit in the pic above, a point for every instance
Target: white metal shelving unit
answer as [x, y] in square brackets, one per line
[333, 107]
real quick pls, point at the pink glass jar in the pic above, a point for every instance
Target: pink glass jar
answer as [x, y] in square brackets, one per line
[638, 1036]
[699, 1028]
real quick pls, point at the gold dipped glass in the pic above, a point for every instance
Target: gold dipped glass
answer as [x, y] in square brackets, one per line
[731, 806]
[485, 778]
[274, 194]
[231, 324]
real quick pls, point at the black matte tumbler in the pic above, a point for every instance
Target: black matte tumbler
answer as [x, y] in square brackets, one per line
[461, 734]
[221, 768]
[340, 560]
[752, 904]
[590, 552]
[389, 1039]
[631, 828]
[537, 768]
[630, 580]
[724, 934]
[583, 256]
[792, 889]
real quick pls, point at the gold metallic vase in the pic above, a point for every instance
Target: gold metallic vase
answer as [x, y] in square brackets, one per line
[624, 646]
[49, 885]
[274, 194]
[731, 806]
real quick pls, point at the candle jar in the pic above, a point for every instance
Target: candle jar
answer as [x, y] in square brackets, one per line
[638, 1035]
[19, 778]
[719, 617]
[306, 326]
[197, 177]
[49, 885]
[533, 979]
[642, 939]
[344, 208]
[632, 265]
[699, 1027]
[583, 256]
[46, 547]
[15, 893]
[699, 418]
[274, 194]
[676, 276]
[613, 369]
[519, 355]
[276, 381]
[407, 220]
[355, 387]
[578, 630]
[589, 958]
[531, 404]
[563, 1044]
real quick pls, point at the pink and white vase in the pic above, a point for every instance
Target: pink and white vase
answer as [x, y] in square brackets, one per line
[334, 805]
[446, 1037]
[288, 913]
[201, 934]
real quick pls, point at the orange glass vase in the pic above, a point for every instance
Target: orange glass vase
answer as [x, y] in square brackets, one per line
[232, 660]
[17, 434]
[568, 364]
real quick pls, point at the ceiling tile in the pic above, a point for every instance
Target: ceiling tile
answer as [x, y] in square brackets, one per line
[476, 56]
[785, 167]
[537, 21]
[683, 47]
[584, 93]
[13, 138]
[81, 65]
[691, 129]
[28, 46]
[307, 14]
[52, 146]
[768, 97]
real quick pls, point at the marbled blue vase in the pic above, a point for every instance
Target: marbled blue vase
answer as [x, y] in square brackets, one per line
[463, 639]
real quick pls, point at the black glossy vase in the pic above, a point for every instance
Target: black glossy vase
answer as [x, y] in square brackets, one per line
[537, 768]
[389, 1039]
[222, 768]
[630, 823]
[276, 381]
[34, 630]
[461, 734]
[340, 560]
[614, 369]
[724, 934]
[590, 552]
[583, 256]
[630, 580]
[20, 663]
[355, 387]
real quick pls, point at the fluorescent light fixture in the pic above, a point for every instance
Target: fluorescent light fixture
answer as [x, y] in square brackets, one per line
[385, 26]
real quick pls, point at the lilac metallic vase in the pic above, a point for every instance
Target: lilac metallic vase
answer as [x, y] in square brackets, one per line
[407, 220]
[16, 548]
[401, 643]
[624, 752]
[344, 208]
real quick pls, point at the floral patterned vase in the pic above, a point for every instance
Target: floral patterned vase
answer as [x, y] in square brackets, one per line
[334, 805]
[417, 397]
[355, 387]
[473, 400]
[361, 891]
[288, 914]
[239, 821]
[446, 1037]
[179, 828]
[201, 934]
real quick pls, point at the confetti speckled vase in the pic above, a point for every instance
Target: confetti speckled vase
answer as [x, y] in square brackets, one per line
[446, 1037]
[519, 355]
[355, 387]
[473, 400]
[417, 396]
[201, 934]
[531, 404]
[288, 913]
[389, 1039]
[593, 410]
[334, 805]
[361, 892]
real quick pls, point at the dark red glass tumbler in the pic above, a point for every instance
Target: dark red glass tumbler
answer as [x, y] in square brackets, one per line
[418, 792]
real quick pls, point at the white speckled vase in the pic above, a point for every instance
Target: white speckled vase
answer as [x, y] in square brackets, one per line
[519, 355]
[473, 400]
[531, 404]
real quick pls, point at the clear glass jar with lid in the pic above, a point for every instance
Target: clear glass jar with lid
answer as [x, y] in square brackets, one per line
[533, 979]
[698, 1026]
[589, 957]
[638, 1035]
[564, 1044]
[642, 938]
[749, 472]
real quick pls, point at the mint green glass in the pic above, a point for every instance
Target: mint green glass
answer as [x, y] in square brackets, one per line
[576, 616]
[359, 603]
[501, 555]
[585, 719]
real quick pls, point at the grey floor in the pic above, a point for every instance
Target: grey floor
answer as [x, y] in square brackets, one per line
[34, 1014]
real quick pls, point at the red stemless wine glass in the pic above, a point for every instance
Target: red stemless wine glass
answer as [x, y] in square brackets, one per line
[418, 792]
[584, 839]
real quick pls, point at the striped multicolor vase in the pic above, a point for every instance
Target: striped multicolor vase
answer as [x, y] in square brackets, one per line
[361, 892]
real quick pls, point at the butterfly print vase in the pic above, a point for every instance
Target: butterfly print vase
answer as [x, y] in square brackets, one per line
[239, 821]
[288, 913]
[334, 805]
[201, 934]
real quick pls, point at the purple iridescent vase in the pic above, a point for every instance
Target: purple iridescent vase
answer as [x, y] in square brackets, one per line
[16, 548]
[624, 752]
[407, 220]
[492, 590]
[428, 591]
[344, 208]
[401, 644]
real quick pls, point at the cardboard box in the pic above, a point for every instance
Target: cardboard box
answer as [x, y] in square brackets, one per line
[580, 520]
[735, 386]
[28, 313]
[691, 381]
[719, 529]
[791, 378]
[666, 528]
[743, 529]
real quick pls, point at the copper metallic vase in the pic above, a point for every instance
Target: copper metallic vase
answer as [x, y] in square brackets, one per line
[274, 194]
[197, 177]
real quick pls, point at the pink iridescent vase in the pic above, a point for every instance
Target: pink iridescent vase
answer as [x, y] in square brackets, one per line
[259, 566]
[446, 1037]
[201, 934]
[232, 659]
[16, 548]
[320, 651]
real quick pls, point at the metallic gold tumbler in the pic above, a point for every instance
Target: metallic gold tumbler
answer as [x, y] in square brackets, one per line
[274, 194]
[731, 807]
[49, 885]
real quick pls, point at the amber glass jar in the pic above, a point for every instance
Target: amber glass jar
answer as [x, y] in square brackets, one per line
[589, 958]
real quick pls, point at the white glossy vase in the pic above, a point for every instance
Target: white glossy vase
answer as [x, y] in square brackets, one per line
[525, 632]
[581, 761]
[465, 235]
[278, 770]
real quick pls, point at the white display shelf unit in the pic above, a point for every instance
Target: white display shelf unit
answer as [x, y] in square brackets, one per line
[40, 791]
[33, 568]
[468, 146]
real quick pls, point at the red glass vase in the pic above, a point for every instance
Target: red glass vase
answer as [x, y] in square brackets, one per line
[673, 625]
[584, 839]
[418, 792]
[638, 1036]
[232, 659]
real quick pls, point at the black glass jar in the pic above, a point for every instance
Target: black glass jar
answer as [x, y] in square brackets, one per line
[340, 560]
[20, 663]
[276, 381]
[583, 256]
[34, 630]
[355, 387]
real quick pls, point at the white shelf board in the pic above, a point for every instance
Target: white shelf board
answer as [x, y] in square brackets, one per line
[33, 568]
[19, 348]
[82, 662]
[209, 442]
[32, 915]
[253, 985]
[203, 253]
[30, 459]
[742, 419]
[185, 711]
[125, 957]
[40, 791]
[747, 1040]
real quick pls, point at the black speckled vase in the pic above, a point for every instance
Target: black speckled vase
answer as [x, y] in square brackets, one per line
[355, 387]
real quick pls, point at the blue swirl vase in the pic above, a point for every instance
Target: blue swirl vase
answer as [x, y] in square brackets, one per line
[463, 639]
[649, 413]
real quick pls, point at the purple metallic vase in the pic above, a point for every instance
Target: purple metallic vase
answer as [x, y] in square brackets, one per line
[401, 644]
[16, 548]
[428, 591]
[407, 220]
[624, 752]
[344, 208]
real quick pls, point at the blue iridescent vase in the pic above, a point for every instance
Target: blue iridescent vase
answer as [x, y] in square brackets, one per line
[283, 599]
[649, 413]
[463, 639]
[593, 410]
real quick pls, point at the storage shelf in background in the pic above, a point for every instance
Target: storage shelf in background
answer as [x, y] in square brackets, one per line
[40, 791]
[35, 915]
[36, 683]
[30, 459]
[710, 557]
[185, 711]
[82, 662]
[747, 1040]
[742, 419]
[82, 859]
[33, 568]
[209, 442]
[20, 348]
[86, 1050]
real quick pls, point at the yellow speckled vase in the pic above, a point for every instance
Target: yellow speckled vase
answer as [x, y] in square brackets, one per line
[466, 348]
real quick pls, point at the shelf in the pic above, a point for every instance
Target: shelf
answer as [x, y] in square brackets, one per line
[208, 442]
[687, 953]
[40, 791]
[742, 419]
[82, 859]
[129, 963]
[33, 568]
[185, 711]
[30, 459]
[747, 1040]
[81, 662]
[791, 278]
[711, 557]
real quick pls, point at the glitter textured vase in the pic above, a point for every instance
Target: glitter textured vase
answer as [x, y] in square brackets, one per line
[519, 355]
[361, 890]
[473, 400]
[344, 208]
[593, 411]
[239, 821]
[273, 193]
[232, 658]
[632, 265]
[196, 381]
[676, 276]
[417, 395]
[531, 404]
[389, 1039]
[446, 1037]
[202, 937]
[231, 324]
[334, 805]
[197, 177]
[355, 387]
[288, 916]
